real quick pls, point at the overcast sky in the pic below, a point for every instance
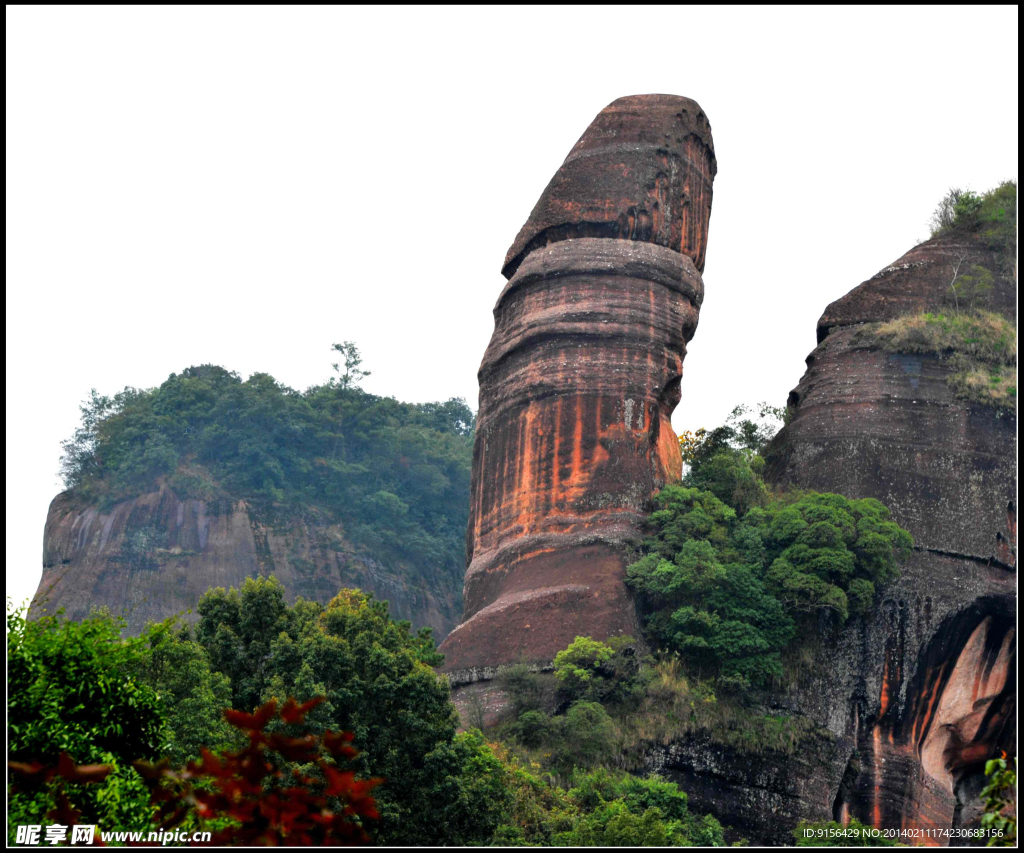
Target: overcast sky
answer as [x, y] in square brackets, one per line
[247, 186]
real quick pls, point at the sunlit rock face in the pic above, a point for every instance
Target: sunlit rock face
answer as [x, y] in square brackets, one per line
[924, 691]
[579, 382]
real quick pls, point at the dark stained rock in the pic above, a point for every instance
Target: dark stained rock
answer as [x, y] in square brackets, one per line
[760, 796]
[920, 281]
[155, 555]
[579, 382]
[924, 691]
[643, 171]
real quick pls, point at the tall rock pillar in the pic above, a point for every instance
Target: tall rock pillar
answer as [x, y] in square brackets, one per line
[578, 384]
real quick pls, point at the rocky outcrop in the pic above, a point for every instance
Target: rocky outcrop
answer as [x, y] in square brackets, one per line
[923, 692]
[155, 555]
[758, 796]
[579, 382]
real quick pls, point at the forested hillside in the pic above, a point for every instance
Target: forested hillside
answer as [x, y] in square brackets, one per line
[327, 487]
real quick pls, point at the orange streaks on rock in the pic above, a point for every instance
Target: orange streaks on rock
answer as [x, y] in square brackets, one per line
[579, 381]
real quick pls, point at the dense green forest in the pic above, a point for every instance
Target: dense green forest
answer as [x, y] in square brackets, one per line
[396, 475]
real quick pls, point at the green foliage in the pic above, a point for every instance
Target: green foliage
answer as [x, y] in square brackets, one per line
[992, 215]
[71, 690]
[600, 808]
[578, 665]
[619, 810]
[723, 586]
[192, 695]
[377, 678]
[585, 735]
[726, 461]
[396, 475]
[829, 833]
[980, 347]
[999, 818]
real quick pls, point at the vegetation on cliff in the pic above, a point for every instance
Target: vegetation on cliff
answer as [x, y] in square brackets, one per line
[271, 770]
[979, 346]
[729, 571]
[396, 475]
[992, 216]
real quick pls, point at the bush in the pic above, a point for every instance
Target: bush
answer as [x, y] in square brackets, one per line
[578, 666]
[724, 589]
[992, 215]
[72, 697]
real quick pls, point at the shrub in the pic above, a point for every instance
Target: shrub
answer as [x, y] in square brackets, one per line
[578, 666]
[723, 589]
[73, 698]
[999, 818]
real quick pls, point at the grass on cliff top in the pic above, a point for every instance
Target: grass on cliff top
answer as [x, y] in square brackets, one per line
[982, 335]
[980, 346]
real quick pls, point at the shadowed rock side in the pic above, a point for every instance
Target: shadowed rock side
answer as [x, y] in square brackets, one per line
[922, 693]
[579, 382]
[155, 555]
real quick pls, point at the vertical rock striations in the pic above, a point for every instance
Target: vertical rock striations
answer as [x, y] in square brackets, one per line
[924, 692]
[155, 555]
[579, 381]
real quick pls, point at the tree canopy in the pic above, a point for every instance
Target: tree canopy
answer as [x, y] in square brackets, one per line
[396, 475]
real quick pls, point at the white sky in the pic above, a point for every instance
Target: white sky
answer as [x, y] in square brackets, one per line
[246, 186]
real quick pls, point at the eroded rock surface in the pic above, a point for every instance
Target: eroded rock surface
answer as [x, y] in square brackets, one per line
[579, 382]
[923, 692]
[155, 555]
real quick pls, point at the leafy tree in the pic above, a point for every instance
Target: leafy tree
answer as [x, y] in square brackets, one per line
[577, 666]
[724, 586]
[999, 818]
[351, 359]
[377, 680]
[193, 697]
[71, 693]
[585, 736]
[396, 475]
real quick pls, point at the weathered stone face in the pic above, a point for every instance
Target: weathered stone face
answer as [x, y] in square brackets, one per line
[642, 171]
[579, 382]
[924, 691]
[155, 555]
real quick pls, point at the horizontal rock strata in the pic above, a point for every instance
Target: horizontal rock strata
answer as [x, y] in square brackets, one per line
[579, 382]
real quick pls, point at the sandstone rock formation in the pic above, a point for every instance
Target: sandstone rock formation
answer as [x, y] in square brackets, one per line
[579, 381]
[155, 555]
[924, 692]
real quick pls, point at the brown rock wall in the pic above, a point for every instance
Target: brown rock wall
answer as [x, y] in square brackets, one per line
[155, 555]
[923, 692]
[578, 384]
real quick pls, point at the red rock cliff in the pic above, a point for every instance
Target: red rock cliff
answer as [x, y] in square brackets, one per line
[579, 382]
